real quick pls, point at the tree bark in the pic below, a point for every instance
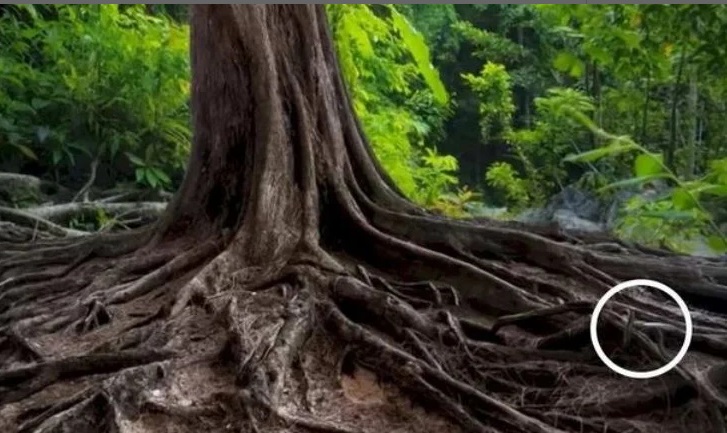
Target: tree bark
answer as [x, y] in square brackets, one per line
[291, 287]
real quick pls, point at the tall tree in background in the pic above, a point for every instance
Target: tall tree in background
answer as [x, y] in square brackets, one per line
[288, 263]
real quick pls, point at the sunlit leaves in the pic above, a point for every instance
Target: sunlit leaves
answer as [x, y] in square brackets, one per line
[494, 90]
[502, 176]
[489, 45]
[568, 63]
[648, 164]
[717, 244]
[683, 199]
[633, 181]
[419, 50]
[397, 94]
[615, 148]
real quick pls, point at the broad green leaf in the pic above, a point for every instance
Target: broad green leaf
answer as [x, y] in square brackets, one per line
[577, 69]
[151, 178]
[115, 144]
[79, 147]
[567, 62]
[630, 38]
[135, 159]
[632, 181]
[21, 106]
[161, 175]
[717, 244]
[30, 9]
[25, 150]
[564, 61]
[648, 164]
[418, 48]
[600, 55]
[598, 153]
[718, 190]
[670, 215]
[683, 199]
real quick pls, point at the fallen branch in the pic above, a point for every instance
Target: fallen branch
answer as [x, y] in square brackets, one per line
[126, 194]
[24, 218]
[14, 233]
[15, 186]
[63, 213]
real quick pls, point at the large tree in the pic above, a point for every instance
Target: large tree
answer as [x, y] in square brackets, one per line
[291, 286]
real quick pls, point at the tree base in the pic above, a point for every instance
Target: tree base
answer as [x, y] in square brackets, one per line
[288, 266]
[192, 343]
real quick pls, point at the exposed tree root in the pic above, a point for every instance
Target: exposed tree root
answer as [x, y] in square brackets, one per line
[44, 413]
[41, 375]
[15, 346]
[412, 333]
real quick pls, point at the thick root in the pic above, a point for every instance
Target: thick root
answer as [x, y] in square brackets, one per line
[417, 336]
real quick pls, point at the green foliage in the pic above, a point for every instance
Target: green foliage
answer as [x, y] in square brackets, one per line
[457, 204]
[502, 34]
[147, 174]
[569, 63]
[502, 176]
[419, 51]
[554, 134]
[493, 88]
[555, 77]
[661, 224]
[111, 83]
[673, 220]
[397, 94]
[489, 45]
[97, 81]
[434, 21]
[435, 177]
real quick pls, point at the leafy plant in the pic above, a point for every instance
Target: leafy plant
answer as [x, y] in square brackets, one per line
[91, 82]
[435, 177]
[457, 204]
[680, 216]
[149, 175]
[493, 88]
[397, 94]
[502, 176]
[553, 135]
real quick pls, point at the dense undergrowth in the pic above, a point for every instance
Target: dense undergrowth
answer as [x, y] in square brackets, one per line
[467, 107]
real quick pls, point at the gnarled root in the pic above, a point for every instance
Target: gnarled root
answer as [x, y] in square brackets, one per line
[494, 376]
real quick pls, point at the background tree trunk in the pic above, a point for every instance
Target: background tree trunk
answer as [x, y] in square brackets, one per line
[693, 114]
[291, 287]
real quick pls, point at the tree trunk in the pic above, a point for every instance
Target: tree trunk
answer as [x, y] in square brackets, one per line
[671, 147]
[643, 137]
[693, 113]
[290, 287]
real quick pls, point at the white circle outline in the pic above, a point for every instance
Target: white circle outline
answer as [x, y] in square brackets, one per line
[641, 374]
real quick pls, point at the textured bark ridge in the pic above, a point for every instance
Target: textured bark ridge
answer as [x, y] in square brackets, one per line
[290, 287]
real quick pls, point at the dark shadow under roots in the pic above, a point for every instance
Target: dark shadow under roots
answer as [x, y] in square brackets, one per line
[290, 286]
